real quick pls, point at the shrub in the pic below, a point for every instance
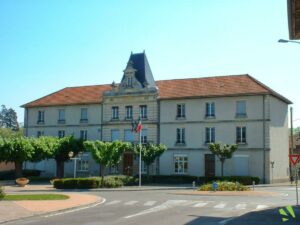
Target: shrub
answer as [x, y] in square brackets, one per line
[7, 175]
[2, 193]
[31, 173]
[112, 182]
[74, 183]
[224, 186]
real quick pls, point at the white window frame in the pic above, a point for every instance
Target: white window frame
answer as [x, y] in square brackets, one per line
[114, 169]
[180, 136]
[210, 109]
[129, 81]
[61, 115]
[244, 112]
[243, 140]
[180, 113]
[111, 132]
[181, 160]
[143, 111]
[115, 112]
[83, 165]
[210, 131]
[83, 114]
[128, 112]
[144, 138]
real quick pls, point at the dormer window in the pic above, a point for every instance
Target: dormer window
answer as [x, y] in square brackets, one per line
[129, 81]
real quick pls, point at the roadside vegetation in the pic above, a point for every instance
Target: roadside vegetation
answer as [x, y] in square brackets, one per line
[224, 186]
[2, 193]
[20, 197]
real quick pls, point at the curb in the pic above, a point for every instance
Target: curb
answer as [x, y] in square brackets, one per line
[58, 212]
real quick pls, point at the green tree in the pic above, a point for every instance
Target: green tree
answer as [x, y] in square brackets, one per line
[149, 153]
[8, 118]
[59, 149]
[223, 152]
[106, 153]
[16, 150]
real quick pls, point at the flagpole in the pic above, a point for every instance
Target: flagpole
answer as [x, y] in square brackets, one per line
[140, 159]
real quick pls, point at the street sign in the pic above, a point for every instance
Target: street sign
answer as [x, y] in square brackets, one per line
[294, 159]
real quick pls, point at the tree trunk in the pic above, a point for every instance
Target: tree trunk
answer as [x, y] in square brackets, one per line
[60, 168]
[18, 169]
[222, 167]
[102, 175]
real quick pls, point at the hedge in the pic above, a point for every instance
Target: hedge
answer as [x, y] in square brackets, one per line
[10, 174]
[185, 179]
[94, 182]
[2, 193]
[224, 186]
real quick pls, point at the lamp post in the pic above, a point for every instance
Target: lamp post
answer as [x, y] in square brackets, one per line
[286, 41]
[71, 154]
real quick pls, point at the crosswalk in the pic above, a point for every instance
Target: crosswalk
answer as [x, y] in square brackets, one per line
[190, 203]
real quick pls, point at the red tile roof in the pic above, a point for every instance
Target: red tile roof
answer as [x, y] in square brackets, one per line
[168, 89]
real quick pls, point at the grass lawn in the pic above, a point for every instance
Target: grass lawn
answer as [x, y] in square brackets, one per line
[35, 197]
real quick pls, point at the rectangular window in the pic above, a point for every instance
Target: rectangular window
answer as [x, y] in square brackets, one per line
[180, 111]
[61, 133]
[144, 136]
[210, 109]
[241, 109]
[241, 135]
[180, 164]
[82, 165]
[115, 135]
[128, 136]
[115, 112]
[144, 167]
[128, 111]
[84, 115]
[40, 133]
[129, 81]
[180, 136]
[143, 111]
[209, 135]
[41, 116]
[114, 169]
[61, 116]
[83, 135]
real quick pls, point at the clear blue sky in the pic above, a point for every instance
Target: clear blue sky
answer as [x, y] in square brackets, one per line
[51, 44]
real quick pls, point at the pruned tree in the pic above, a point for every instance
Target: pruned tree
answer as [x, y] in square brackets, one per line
[16, 150]
[106, 153]
[223, 152]
[8, 118]
[149, 153]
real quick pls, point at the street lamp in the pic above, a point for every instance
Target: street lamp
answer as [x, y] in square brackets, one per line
[71, 154]
[286, 41]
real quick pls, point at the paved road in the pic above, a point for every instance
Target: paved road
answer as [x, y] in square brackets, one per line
[165, 207]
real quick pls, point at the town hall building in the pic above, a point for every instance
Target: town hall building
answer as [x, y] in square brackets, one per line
[184, 114]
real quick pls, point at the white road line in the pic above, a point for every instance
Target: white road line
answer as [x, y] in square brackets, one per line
[200, 204]
[75, 210]
[223, 222]
[131, 203]
[220, 205]
[240, 206]
[164, 206]
[261, 207]
[113, 202]
[150, 203]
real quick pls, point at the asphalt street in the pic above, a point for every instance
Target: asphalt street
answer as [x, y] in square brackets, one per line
[169, 207]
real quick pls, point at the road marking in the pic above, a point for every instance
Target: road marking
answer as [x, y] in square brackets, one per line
[223, 222]
[131, 203]
[240, 206]
[200, 204]
[150, 203]
[261, 207]
[220, 205]
[113, 202]
[166, 205]
[75, 210]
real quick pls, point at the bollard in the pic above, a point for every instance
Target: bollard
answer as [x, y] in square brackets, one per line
[215, 186]
[253, 184]
[194, 184]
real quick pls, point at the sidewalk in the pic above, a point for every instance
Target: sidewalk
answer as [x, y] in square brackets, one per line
[15, 210]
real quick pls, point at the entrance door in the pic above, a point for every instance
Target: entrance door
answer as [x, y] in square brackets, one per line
[127, 164]
[209, 165]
